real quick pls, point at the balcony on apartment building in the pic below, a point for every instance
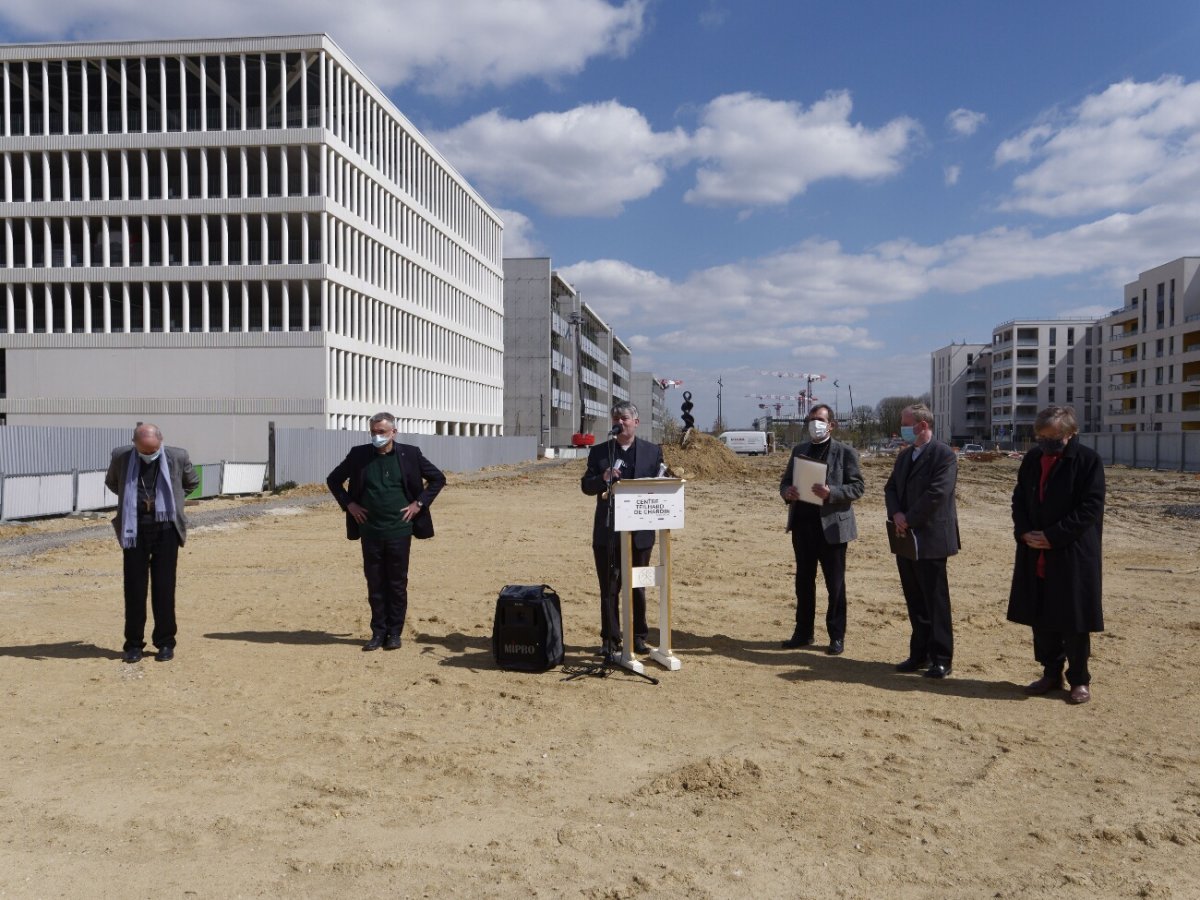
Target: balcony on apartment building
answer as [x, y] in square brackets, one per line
[1120, 337]
[1027, 376]
[1191, 342]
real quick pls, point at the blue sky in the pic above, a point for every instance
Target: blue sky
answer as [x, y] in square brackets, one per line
[751, 186]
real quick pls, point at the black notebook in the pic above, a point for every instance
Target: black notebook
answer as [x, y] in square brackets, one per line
[905, 546]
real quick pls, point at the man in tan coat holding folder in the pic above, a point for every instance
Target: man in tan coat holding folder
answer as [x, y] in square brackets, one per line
[821, 521]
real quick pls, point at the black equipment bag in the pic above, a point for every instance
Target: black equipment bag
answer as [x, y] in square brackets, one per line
[527, 634]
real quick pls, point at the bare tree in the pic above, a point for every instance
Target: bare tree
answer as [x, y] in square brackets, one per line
[889, 409]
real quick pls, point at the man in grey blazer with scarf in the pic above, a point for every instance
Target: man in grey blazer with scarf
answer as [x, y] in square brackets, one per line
[151, 482]
[820, 531]
[920, 498]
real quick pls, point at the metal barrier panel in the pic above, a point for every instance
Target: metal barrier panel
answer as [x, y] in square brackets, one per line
[37, 449]
[1191, 451]
[91, 492]
[243, 478]
[210, 481]
[308, 455]
[1176, 451]
[27, 496]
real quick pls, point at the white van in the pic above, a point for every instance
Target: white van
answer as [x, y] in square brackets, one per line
[750, 443]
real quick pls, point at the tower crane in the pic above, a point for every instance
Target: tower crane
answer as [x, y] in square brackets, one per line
[805, 401]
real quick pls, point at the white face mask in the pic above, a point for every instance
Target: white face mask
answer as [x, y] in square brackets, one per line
[818, 430]
[150, 457]
[380, 440]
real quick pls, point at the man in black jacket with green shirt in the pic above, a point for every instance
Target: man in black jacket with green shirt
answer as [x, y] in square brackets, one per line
[391, 489]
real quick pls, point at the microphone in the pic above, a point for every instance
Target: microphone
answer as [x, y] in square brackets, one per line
[615, 430]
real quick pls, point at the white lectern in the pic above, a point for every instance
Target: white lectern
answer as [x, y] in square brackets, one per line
[647, 504]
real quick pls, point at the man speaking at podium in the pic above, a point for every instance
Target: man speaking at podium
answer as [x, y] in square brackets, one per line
[623, 455]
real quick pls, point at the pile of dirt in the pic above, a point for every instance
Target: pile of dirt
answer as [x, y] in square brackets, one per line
[720, 777]
[703, 457]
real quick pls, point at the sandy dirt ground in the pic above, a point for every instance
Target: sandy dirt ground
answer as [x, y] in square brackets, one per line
[272, 758]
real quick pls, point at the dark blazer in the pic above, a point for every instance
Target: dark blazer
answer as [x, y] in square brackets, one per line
[924, 492]
[647, 458]
[422, 481]
[1072, 518]
[184, 480]
[845, 482]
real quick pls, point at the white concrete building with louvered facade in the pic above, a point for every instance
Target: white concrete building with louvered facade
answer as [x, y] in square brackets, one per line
[217, 233]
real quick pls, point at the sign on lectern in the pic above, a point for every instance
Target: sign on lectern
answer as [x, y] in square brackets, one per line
[647, 504]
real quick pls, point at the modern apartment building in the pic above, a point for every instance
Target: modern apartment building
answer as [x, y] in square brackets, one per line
[563, 365]
[959, 386]
[1152, 352]
[649, 396]
[216, 233]
[1037, 362]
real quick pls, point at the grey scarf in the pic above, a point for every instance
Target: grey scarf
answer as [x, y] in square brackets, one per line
[164, 498]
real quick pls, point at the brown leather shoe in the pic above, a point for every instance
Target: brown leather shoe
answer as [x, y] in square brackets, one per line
[1080, 694]
[1044, 685]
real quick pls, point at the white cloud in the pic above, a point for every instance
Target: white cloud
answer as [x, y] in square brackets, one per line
[713, 16]
[951, 174]
[1131, 146]
[440, 47]
[519, 240]
[965, 122]
[589, 160]
[816, 294]
[757, 151]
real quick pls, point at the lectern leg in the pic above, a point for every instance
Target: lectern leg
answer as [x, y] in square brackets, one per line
[627, 659]
[662, 654]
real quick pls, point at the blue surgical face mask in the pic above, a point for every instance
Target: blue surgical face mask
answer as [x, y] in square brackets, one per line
[908, 433]
[380, 441]
[150, 457]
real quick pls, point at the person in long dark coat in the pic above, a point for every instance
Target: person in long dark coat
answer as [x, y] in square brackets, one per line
[1058, 518]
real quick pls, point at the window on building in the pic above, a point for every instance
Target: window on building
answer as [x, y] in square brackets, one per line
[1158, 348]
[1070, 337]
[1051, 395]
[1070, 374]
[1070, 395]
[1158, 404]
[1053, 355]
[1160, 305]
[1087, 357]
[1158, 375]
[1053, 336]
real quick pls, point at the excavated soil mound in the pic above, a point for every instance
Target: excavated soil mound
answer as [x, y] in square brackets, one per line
[703, 457]
[720, 777]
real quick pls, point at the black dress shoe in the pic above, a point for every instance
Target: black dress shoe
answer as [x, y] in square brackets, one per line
[836, 647]
[796, 641]
[640, 646]
[374, 643]
[912, 664]
[133, 656]
[609, 648]
[165, 654]
[392, 642]
[937, 670]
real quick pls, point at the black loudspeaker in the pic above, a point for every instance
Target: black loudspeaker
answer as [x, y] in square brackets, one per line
[527, 633]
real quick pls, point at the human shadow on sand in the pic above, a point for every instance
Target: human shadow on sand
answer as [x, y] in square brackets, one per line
[883, 675]
[302, 637]
[812, 664]
[61, 650]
